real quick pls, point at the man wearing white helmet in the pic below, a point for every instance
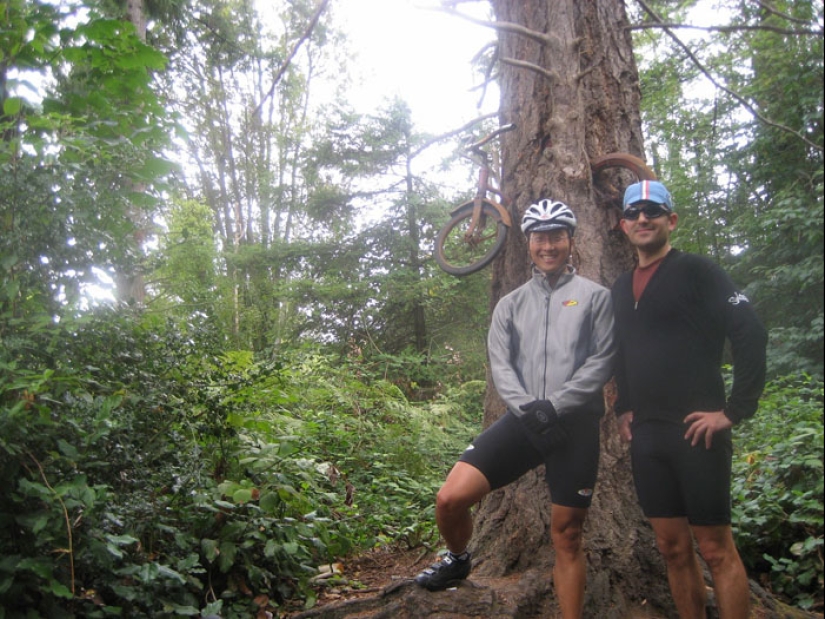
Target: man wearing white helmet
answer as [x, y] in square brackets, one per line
[551, 351]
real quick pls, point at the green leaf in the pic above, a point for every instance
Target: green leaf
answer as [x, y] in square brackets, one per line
[60, 590]
[66, 449]
[242, 496]
[269, 501]
[210, 549]
[12, 106]
[121, 540]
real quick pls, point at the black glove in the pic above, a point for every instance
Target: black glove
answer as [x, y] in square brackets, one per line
[540, 418]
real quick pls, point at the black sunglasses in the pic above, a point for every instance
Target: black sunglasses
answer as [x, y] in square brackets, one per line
[651, 211]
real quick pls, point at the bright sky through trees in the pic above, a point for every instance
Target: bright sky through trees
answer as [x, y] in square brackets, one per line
[422, 55]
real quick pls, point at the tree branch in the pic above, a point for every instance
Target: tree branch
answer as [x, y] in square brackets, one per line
[742, 28]
[450, 134]
[509, 27]
[527, 65]
[778, 13]
[744, 102]
[322, 5]
[502, 26]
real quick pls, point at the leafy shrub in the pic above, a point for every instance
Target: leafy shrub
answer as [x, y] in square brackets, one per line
[778, 490]
[389, 455]
[144, 471]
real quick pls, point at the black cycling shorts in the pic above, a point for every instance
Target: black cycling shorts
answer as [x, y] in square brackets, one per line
[675, 480]
[504, 452]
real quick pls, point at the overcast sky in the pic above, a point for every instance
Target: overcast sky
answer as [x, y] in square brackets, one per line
[422, 55]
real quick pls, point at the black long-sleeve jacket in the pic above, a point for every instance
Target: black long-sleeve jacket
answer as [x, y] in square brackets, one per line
[671, 343]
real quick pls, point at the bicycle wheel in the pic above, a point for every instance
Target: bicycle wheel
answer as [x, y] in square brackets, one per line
[460, 253]
[623, 160]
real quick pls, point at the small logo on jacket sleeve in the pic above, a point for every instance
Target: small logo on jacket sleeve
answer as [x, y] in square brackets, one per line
[569, 303]
[738, 298]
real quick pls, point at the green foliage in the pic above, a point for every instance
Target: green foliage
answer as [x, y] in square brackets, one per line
[390, 456]
[778, 490]
[187, 262]
[145, 471]
[79, 152]
[785, 269]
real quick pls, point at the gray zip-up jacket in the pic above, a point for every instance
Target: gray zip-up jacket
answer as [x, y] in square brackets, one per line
[553, 344]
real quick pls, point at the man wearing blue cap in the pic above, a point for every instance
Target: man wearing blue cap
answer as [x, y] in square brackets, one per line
[674, 312]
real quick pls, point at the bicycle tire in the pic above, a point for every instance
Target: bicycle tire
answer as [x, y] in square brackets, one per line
[623, 160]
[446, 246]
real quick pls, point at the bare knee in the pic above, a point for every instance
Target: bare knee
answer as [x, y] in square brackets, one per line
[674, 541]
[567, 531]
[451, 500]
[567, 544]
[717, 547]
[718, 553]
[677, 550]
[465, 486]
[456, 498]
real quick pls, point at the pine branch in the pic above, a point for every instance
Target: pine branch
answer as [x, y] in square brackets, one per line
[322, 5]
[778, 13]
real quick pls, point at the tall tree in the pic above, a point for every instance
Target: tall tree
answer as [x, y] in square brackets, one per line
[243, 82]
[735, 124]
[569, 82]
[781, 179]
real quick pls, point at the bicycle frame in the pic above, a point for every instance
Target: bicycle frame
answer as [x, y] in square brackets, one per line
[483, 187]
[478, 201]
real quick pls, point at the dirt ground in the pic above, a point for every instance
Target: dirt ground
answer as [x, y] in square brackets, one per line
[372, 572]
[369, 573]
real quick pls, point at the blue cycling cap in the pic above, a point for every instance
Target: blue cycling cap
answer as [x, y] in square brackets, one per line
[648, 191]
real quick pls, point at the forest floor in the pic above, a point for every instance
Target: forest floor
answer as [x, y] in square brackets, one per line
[369, 573]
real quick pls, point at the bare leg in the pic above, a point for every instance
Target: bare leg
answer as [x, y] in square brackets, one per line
[730, 580]
[569, 572]
[675, 542]
[465, 486]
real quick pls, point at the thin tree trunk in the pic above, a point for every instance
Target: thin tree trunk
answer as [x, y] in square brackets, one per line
[130, 285]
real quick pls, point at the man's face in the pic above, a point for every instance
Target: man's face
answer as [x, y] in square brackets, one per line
[550, 249]
[648, 225]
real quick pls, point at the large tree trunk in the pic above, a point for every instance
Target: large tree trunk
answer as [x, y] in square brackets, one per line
[580, 101]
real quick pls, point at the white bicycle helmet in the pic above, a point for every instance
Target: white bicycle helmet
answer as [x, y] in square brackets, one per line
[548, 215]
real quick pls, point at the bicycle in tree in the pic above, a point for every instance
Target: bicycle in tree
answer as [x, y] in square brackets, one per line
[477, 229]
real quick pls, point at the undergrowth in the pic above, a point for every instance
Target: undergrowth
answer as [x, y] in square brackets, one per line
[144, 471]
[147, 471]
[778, 491]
